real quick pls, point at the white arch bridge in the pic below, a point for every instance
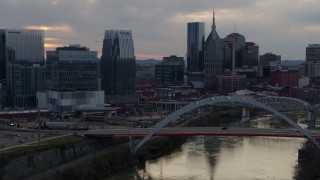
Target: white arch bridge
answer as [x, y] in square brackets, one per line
[238, 101]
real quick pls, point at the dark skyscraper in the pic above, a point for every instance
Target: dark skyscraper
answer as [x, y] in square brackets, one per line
[195, 54]
[212, 58]
[20, 46]
[250, 55]
[21, 65]
[118, 63]
[237, 43]
[195, 46]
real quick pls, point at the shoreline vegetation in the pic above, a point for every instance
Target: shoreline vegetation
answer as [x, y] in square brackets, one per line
[119, 159]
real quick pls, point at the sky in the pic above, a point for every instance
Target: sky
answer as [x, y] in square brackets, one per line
[159, 27]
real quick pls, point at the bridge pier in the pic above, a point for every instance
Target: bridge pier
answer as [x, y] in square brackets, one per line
[199, 110]
[131, 145]
[311, 120]
[245, 114]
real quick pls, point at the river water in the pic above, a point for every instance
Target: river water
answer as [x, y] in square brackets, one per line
[224, 158]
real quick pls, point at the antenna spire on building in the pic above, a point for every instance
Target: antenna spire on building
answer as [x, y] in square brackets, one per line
[213, 21]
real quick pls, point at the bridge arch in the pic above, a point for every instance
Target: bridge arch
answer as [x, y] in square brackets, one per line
[218, 100]
[281, 103]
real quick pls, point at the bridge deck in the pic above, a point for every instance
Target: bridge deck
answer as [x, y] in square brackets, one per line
[196, 131]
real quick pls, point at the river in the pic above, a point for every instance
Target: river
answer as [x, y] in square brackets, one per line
[224, 158]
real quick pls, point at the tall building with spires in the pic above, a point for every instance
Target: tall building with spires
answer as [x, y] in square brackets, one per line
[118, 66]
[212, 58]
[118, 63]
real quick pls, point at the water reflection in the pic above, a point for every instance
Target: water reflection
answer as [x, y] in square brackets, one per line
[224, 158]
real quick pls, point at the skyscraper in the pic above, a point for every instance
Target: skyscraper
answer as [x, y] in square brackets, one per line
[237, 43]
[26, 44]
[23, 82]
[212, 58]
[313, 60]
[250, 55]
[195, 54]
[118, 63]
[313, 53]
[21, 65]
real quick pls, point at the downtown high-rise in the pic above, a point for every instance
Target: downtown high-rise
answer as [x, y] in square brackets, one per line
[22, 46]
[118, 65]
[21, 66]
[313, 60]
[212, 58]
[72, 68]
[195, 53]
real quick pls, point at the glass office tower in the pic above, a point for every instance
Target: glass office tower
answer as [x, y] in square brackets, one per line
[195, 46]
[27, 44]
[195, 54]
[21, 60]
[118, 67]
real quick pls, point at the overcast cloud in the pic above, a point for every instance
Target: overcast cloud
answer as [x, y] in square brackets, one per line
[159, 27]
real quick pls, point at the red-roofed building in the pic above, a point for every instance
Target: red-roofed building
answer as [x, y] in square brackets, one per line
[230, 82]
[282, 78]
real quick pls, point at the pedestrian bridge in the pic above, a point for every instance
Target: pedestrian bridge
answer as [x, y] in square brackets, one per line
[234, 100]
[237, 101]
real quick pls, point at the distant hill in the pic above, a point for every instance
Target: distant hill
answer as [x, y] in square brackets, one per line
[148, 62]
[292, 63]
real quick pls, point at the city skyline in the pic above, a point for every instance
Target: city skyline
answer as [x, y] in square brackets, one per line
[160, 27]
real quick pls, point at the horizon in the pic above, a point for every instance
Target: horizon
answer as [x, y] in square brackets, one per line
[159, 28]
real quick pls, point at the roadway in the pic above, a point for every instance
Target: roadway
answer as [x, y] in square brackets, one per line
[198, 131]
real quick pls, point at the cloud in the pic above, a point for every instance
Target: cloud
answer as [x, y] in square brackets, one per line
[306, 29]
[52, 46]
[192, 17]
[159, 27]
[51, 39]
[64, 28]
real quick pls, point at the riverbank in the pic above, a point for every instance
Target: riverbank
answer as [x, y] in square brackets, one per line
[117, 158]
[32, 159]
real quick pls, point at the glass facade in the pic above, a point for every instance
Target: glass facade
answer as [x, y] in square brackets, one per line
[22, 84]
[21, 65]
[118, 63]
[2, 55]
[195, 47]
[28, 45]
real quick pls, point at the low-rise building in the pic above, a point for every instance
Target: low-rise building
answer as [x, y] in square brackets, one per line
[282, 78]
[230, 82]
[65, 104]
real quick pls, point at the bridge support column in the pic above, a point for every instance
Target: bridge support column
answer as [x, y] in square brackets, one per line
[311, 120]
[245, 114]
[199, 111]
[131, 145]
